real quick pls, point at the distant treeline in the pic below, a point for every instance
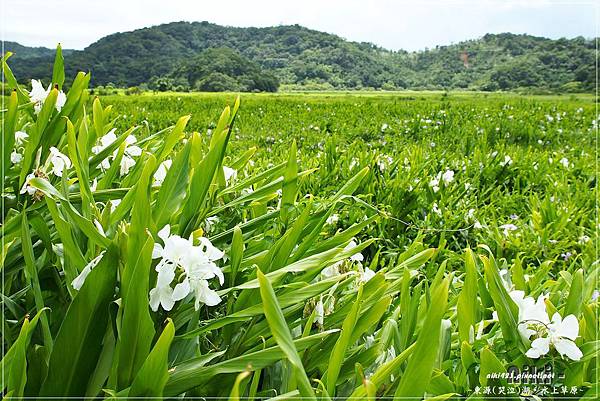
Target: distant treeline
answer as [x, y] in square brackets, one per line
[209, 57]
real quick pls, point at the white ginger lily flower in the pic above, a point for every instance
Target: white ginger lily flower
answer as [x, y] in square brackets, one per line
[357, 257]
[366, 275]
[174, 250]
[319, 312]
[331, 271]
[507, 228]
[105, 141]
[197, 264]
[333, 219]
[59, 162]
[435, 184]
[162, 294]
[38, 96]
[77, 283]
[507, 161]
[334, 269]
[61, 99]
[26, 187]
[161, 172]
[15, 157]
[230, 173]
[204, 294]
[448, 177]
[210, 222]
[561, 335]
[532, 313]
[20, 137]
[385, 357]
[131, 151]
[114, 203]
[558, 333]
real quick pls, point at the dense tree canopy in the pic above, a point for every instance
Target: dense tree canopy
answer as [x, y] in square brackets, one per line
[302, 58]
[223, 69]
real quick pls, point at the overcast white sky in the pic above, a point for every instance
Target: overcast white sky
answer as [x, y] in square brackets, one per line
[409, 25]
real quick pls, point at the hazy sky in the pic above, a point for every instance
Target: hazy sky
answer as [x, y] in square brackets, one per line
[410, 25]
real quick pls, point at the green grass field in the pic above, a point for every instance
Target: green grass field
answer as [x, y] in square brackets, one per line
[406, 140]
[348, 245]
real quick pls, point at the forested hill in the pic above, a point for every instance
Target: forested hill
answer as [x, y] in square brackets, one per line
[301, 57]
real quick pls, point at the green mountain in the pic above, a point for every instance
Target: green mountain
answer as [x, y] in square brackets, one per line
[26, 52]
[217, 70]
[301, 57]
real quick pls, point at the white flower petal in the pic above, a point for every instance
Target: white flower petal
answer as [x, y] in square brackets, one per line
[181, 290]
[154, 299]
[77, 283]
[367, 275]
[15, 157]
[568, 327]
[157, 251]
[166, 298]
[164, 232]
[205, 295]
[567, 347]
[230, 174]
[60, 100]
[126, 164]
[211, 251]
[133, 150]
[539, 347]
[165, 276]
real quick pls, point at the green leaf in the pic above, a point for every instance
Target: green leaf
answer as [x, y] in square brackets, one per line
[235, 390]
[35, 135]
[9, 123]
[31, 273]
[79, 340]
[173, 138]
[153, 375]
[285, 300]
[98, 118]
[575, 299]
[290, 184]
[417, 375]
[204, 173]
[80, 166]
[137, 328]
[85, 225]
[282, 335]
[14, 362]
[466, 308]
[508, 313]
[58, 72]
[193, 373]
[384, 372]
[173, 189]
[490, 364]
[350, 186]
[336, 359]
